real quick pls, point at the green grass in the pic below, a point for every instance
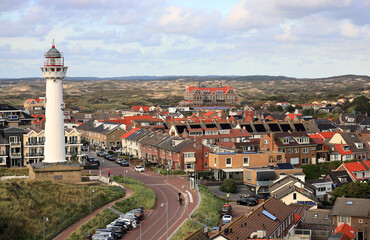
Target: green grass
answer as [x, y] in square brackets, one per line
[142, 195]
[99, 221]
[188, 227]
[170, 172]
[210, 207]
[24, 203]
[13, 172]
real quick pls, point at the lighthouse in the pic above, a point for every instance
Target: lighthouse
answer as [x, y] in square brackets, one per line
[54, 167]
[54, 71]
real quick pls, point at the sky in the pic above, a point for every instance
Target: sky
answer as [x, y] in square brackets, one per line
[116, 38]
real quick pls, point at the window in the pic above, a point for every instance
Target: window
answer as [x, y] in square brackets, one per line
[265, 141]
[286, 140]
[228, 162]
[313, 148]
[305, 150]
[246, 161]
[282, 150]
[205, 165]
[360, 220]
[306, 161]
[321, 189]
[215, 162]
[294, 196]
[290, 150]
[189, 154]
[206, 154]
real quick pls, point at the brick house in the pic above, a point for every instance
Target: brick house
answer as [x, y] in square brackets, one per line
[102, 134]
[298, 147]
[199, 96]
[354, 212]
[230, 165]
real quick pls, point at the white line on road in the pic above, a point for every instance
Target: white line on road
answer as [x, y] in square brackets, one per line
[190, 196]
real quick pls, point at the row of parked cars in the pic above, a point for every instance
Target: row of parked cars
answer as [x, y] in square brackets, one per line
[117, 228]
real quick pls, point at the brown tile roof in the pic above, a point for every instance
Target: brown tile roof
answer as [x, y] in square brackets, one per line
[244, 226]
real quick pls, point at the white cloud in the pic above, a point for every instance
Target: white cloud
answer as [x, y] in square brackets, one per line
[350, 30]
[286, 36]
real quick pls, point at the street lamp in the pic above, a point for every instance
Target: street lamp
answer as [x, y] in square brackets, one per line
[124, 176]
[187, 207]
[206, 228]
[92, 190]
[167, 174]
[162, 204]
[43, 226]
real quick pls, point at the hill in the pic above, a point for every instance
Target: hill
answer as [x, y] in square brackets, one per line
[116, 93]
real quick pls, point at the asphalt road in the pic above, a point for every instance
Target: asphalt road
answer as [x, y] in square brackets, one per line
[159, 224]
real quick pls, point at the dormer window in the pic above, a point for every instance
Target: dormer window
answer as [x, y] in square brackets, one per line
[359, 145]
[286, 140]
[346, 148]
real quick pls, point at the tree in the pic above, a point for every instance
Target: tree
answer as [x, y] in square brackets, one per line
[308, 111]
[351, 190]
[228, 186]
[290, 109]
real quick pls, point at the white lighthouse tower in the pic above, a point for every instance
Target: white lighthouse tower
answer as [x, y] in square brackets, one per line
[54, 71]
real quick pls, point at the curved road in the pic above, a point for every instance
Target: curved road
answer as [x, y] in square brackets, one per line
[154, 226]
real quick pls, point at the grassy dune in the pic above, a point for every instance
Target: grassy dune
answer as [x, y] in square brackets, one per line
[23, 204]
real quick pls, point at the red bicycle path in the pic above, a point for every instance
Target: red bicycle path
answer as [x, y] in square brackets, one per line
[153, 226]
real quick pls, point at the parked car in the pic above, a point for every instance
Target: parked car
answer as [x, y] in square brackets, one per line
[109, 232]
[227, 218]
[251, 201]
[226, 209]
[101, 237]
[84, 148]
[124, 163]
[93, 161]
[116, 229]
[138, 214]
[129, 221]
[101, 154]
[122, 224]
[139, 169]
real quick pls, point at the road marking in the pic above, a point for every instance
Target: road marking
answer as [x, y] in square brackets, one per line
[156, 184]
[190, 196]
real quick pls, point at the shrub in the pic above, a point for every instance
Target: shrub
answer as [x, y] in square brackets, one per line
[228, 186]
[210, 207]
[189, 226]
[13, 171]
[163, 171]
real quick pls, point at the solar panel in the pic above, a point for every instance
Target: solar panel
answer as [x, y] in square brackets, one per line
[269, 215]
[284, 166]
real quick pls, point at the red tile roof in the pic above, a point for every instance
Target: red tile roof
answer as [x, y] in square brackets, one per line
[38, 100]
[341, 150]
[128, 119]
[129, 132]
[347, 230]
[137, 108]
[366, 163]
[209, 113]
[297, 217]
[211, 90]
[327, 135]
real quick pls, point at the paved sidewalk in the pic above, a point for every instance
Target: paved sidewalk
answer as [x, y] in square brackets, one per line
[65, 234]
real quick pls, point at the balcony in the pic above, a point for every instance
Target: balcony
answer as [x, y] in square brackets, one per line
[71, 153]
[34, 154]
[301, 234]
[73, 142]
[189, 160]
[263, 183]
[15, 155]
[3, 153]
[35, 143]
[15, 144]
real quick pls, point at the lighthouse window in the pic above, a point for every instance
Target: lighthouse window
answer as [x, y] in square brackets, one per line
[53, 69]
[58, 69]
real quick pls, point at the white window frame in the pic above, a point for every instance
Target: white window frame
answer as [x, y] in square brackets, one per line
[231, 162]
[245, 164]
[305, 150]
[215, 162]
